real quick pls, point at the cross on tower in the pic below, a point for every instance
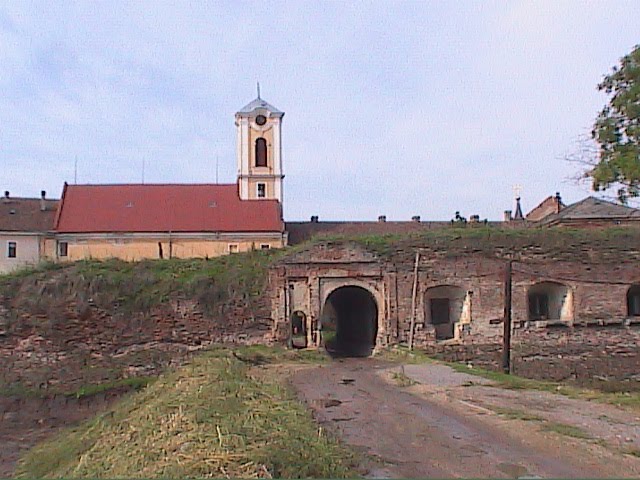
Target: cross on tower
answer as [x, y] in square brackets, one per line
[516, 190]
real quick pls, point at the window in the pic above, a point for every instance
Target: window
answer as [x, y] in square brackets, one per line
[440, 311]
[446, 307]
[63, 249]
[550, 301]
[233, 248]
[633, 301]
[12, 250]
[538, 306]
[265, 246]
[261, 152]
[262, 190]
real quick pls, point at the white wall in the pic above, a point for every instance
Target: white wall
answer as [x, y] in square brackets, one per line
[27, 251]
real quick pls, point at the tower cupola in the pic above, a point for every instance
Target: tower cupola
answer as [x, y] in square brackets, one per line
[259, 151]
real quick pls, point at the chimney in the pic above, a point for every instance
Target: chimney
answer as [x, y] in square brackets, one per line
[382, 218]
[558, 202]
[415, 218]
[6, 196]
[507, 216]
[43, 204]
[474, 218]
[314, 219]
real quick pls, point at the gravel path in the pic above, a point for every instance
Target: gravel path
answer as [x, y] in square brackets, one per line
[440, 427]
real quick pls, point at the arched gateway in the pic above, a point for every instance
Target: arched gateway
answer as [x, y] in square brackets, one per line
[336, 296]
[349, 322]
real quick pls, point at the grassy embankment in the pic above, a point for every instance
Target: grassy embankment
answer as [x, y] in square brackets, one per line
[226, 413]
[58, 302]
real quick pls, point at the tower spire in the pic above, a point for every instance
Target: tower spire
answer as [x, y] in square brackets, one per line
[258, 90]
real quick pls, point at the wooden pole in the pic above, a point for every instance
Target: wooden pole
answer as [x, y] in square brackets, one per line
[413, 300]
[506, 335]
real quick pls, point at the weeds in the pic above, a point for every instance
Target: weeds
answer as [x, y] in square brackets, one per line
[514, 414]
[402, 379]
[566, 430]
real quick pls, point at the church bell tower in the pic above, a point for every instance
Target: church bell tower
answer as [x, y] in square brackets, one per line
[259, 151]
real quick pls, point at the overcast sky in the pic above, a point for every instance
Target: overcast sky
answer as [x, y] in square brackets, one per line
[396, 108]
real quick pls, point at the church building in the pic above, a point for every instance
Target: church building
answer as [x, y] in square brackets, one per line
[139, 221]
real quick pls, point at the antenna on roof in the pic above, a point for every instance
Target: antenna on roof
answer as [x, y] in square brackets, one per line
[258, 90]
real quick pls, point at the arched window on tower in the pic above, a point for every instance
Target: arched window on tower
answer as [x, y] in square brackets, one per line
[261, 152]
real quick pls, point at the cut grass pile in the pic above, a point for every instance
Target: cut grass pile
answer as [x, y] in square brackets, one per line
[212, 418]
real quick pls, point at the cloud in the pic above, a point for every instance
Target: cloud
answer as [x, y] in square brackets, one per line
[402, 109]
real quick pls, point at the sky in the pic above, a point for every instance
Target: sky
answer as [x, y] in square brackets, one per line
[392, 108]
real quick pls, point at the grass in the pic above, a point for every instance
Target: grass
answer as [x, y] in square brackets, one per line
[212, 418]
[133, 383]
[402, 354]
[566, 430]
[629, 400]
[634, 452]
[127, 287]
[402, 379]
[128, 384]
[514, 414]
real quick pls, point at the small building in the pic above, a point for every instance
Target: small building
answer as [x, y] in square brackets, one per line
[589, 212]
[25, 224]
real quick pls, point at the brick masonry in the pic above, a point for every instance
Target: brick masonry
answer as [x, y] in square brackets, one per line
[591, 337]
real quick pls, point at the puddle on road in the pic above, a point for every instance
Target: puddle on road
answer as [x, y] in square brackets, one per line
[327, 402]
[513, 470]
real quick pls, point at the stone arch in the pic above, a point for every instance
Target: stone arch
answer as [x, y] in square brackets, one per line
[349, 320]
[550, 301]
[446, 307]
[633, 300]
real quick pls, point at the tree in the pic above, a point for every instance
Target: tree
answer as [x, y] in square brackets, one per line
[617, 131]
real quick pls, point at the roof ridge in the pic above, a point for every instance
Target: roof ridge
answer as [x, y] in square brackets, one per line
[153, 184]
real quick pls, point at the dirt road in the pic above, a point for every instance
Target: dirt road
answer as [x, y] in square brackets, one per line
[447, 425]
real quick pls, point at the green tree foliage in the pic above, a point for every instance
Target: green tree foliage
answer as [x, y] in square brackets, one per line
[617, 130]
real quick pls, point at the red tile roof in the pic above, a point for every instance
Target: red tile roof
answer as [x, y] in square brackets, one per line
[164, 208]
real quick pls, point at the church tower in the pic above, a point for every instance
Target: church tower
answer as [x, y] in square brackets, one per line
[259, 151]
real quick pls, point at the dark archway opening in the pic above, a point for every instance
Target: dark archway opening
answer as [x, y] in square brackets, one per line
[633, 301]
[298, 330]
[350, 322]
